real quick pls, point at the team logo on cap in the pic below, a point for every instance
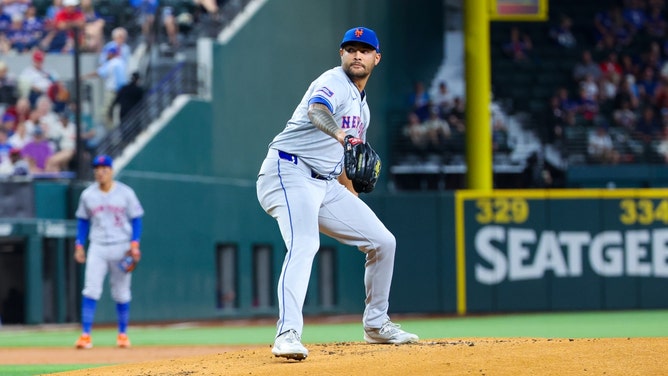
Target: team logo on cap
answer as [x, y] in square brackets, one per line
[359, 32]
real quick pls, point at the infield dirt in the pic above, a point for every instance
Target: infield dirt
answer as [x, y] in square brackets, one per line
[473, 356]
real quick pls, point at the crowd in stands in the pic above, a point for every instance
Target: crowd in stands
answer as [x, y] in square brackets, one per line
[24, 27]
[619, 88]
[37, 127]
[37, 110]
[611, 109]
[38, 115]
[436, 123]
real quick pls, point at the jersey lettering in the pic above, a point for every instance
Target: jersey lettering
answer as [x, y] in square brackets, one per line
[348, 122]
[108, 208]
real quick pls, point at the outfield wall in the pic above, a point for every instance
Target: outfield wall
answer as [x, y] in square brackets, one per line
[458, 252]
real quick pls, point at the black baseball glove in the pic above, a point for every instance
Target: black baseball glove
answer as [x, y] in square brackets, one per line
[362, 164]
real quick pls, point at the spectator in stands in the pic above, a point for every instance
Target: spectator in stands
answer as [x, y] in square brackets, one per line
[635, 15]
[7, 123]
[54, 8]
[605, 46]
[68, 21]
[171, 27]
[18, 112]
[621, 30]
[648, 126]
[600, 147]
[586, 66]
[127, 98]
[119, 38]
[59, 95]
[17, 39]
[20, 166]
[655, 25]
[415, 132]
[443, 99]
[5, 147]
[519, 47]
[20, 137]
[662, 146]
[93, 28]
[624, 117]
[500, 142]
[629, 65]
[8, 90]
[456, 118]
[34, 25]
[419, 100]
[647, 85]
[6, 167]
[4, 143]
[44, 118]
[37, 151]
[65, 144]
[51, 35]
[607, 90]
[146, 14]
[562, 33]
[5, 20]
[554, 131]
[664, 118]
[652, 57]
[35, 80]
[210, 6]
[566, 104]
[92, 132]
[610, 65]
[661, 93]
[587, 108]
[113, 72]
[589, 86]
[627, 92]
[15, 7]
[436, 128]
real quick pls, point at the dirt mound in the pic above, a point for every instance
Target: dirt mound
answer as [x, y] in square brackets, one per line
[475, 356]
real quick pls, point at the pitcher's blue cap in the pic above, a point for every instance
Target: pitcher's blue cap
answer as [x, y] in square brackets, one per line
[362, 35]
[102, 160]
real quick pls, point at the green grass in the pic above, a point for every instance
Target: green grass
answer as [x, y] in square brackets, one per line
[39, 369]
[650, 323]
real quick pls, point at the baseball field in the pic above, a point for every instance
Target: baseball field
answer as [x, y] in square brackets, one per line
[582, 343]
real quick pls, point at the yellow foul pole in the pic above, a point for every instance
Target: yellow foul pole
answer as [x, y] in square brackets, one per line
[478, 95]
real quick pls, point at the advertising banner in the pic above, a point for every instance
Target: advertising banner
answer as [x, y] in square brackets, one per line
[525, 250]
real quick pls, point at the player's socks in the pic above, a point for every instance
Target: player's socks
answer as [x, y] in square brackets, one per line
[123, 313]
[88, 306]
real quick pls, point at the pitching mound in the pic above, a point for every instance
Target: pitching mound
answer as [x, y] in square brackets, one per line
[479, 356]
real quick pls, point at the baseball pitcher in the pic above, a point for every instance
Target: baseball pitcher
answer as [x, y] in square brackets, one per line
[302, 185]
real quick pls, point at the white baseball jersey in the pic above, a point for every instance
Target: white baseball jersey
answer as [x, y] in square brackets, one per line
[110, 213]
[296, 186]
[317, 149]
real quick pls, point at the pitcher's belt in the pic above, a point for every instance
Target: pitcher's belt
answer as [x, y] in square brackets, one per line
[294, 159]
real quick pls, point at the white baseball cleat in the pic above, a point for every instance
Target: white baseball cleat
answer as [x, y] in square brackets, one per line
[389, 333]
[288, 345]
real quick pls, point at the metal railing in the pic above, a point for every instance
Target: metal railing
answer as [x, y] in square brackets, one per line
[181, 79]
